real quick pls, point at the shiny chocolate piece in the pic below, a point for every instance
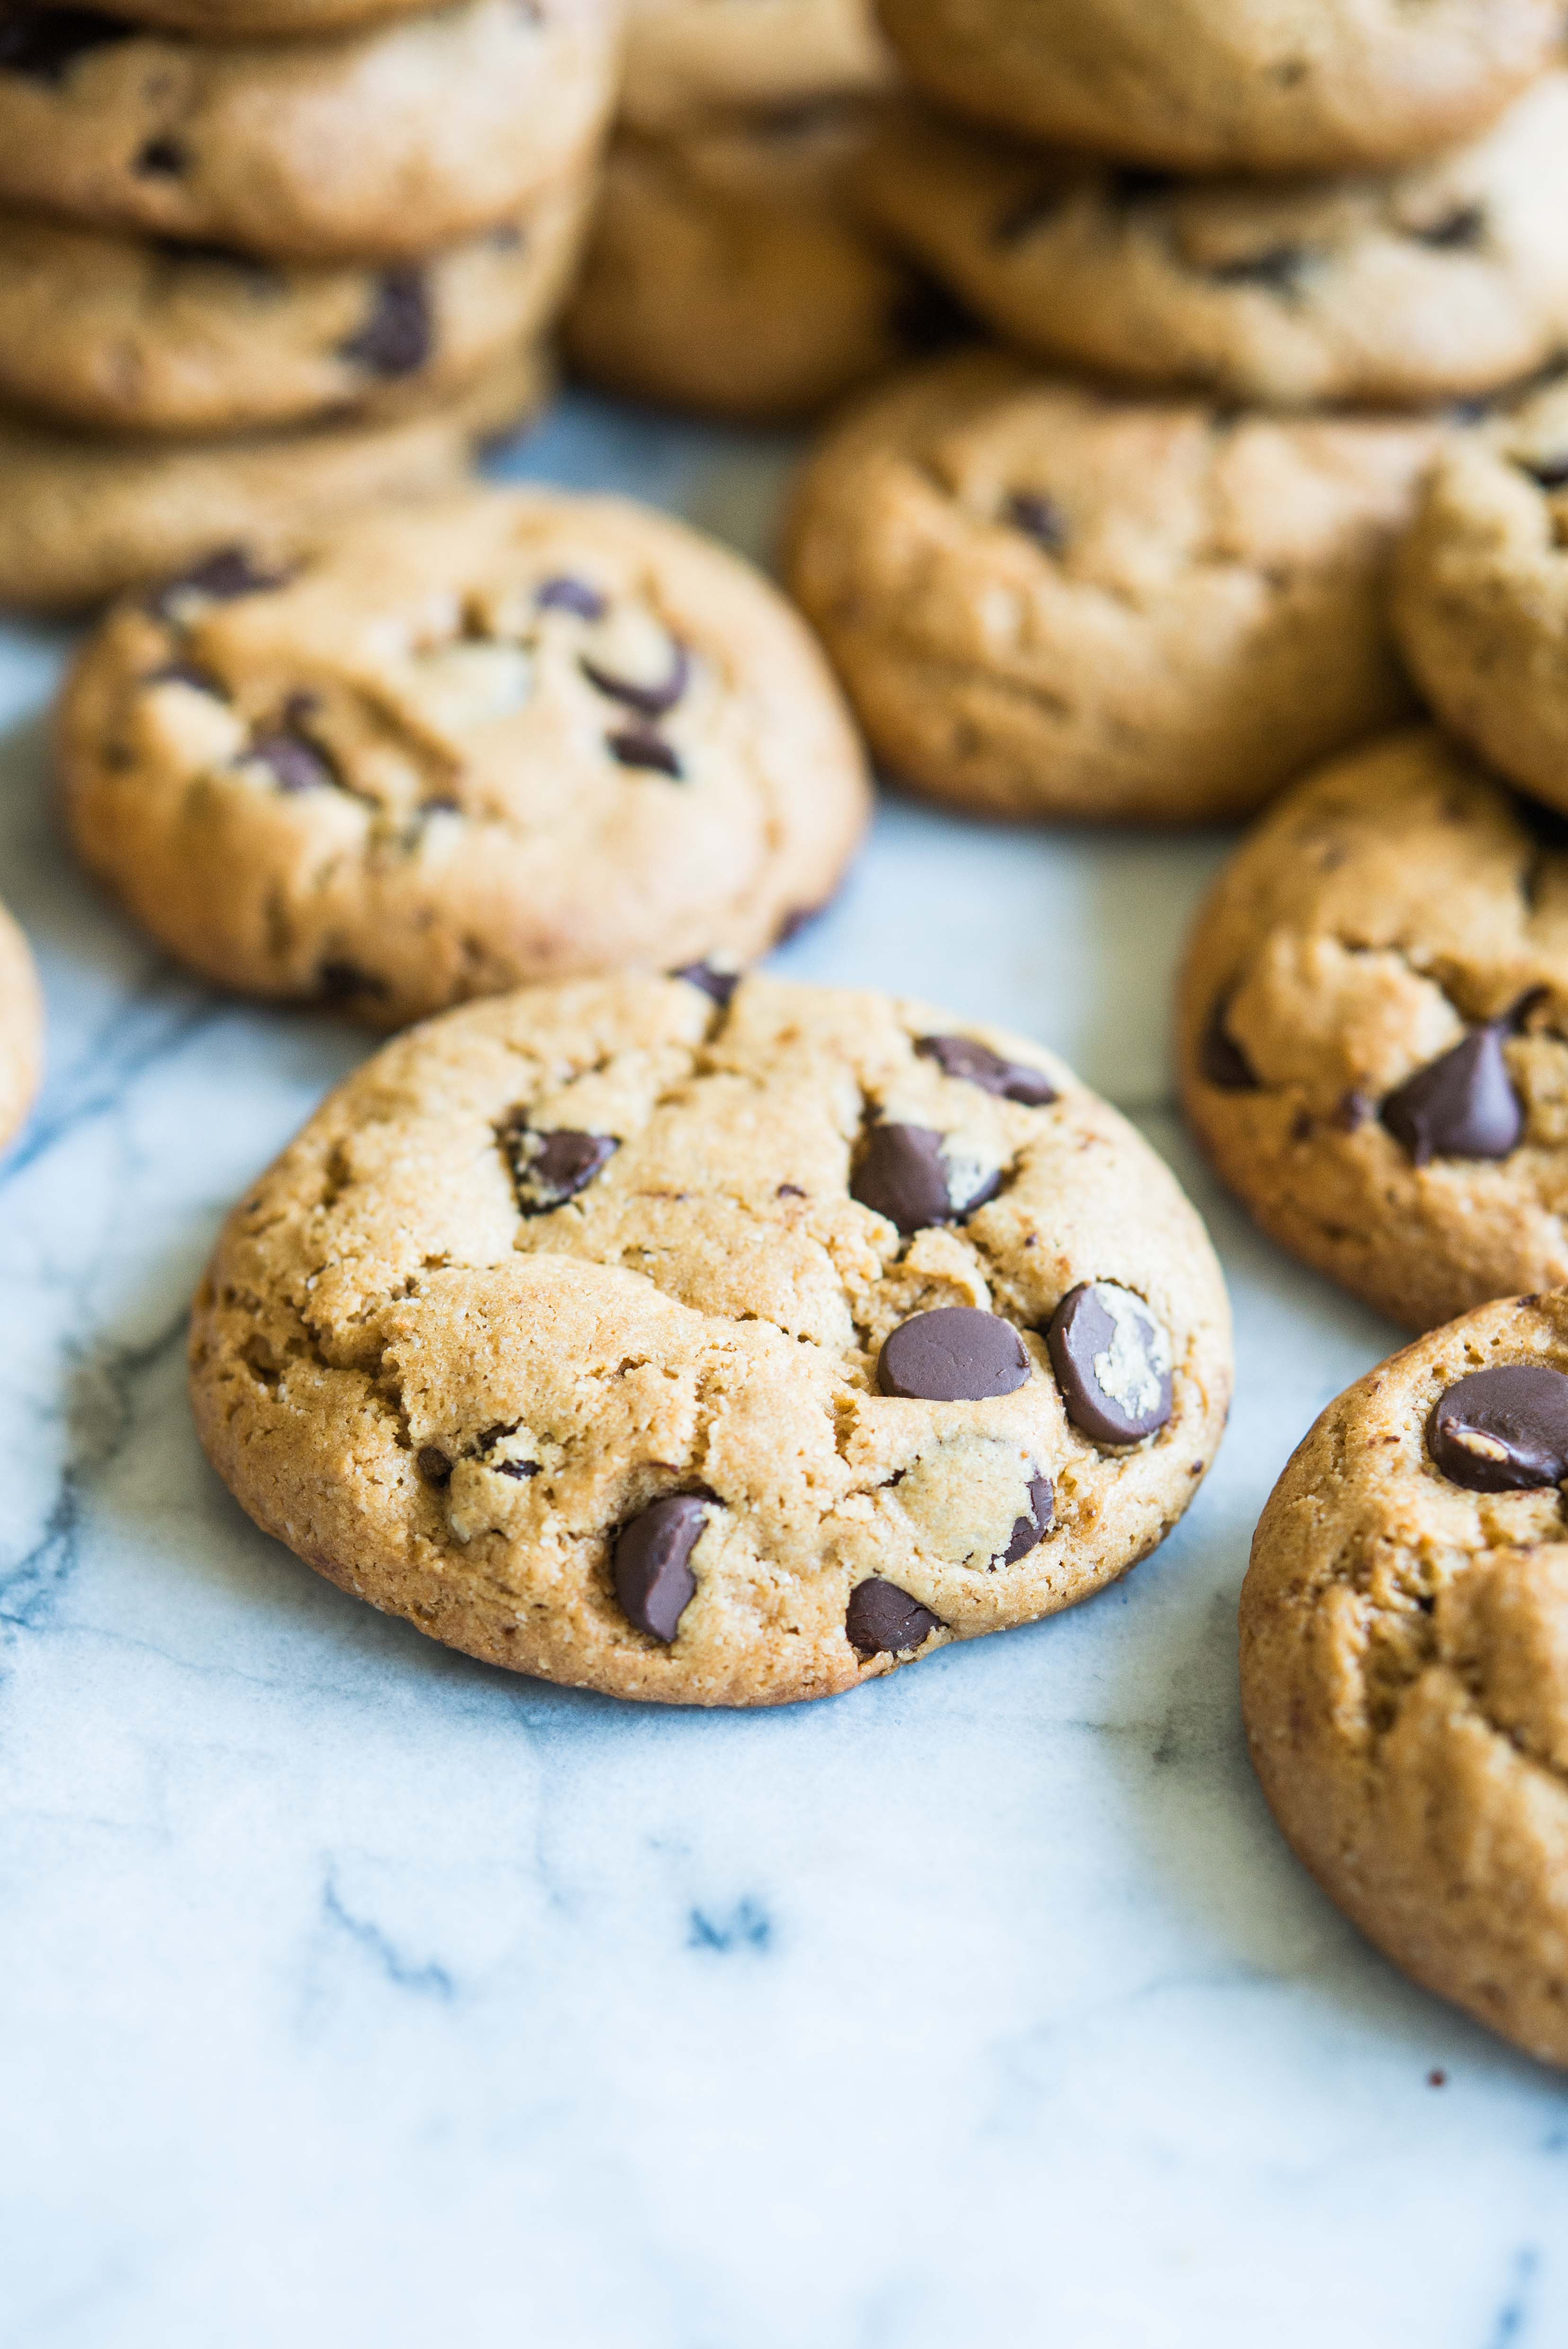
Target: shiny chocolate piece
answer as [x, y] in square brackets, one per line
[956, 1354]
[1503, 1430]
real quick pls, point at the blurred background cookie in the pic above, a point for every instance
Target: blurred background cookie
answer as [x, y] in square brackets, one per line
[21, 1028]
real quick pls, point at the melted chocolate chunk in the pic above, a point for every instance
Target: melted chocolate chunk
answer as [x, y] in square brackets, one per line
[647, 701]
[1503, 1430]
[956, 1354]
[881, 1620]
[1278, 270]
[1460, 1105]
[1465, 225]
[902, 1175]
[222, 577]
[162, 159]
[399, 336]
[567, 595]
[639, 746]
[1039, 517]
[433, 1465]
[43, 44]
[976, 1064]
[1221, 1060]
[548, 1169]
[295, 764]
[718, 985]
[1030, 1531]
[652, 1577]
[1112, 1362]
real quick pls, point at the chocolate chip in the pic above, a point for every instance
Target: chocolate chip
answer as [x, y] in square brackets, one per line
[790, 1191]
[1547, 473]
[1355, 1108]
[336, 981]
[1278, 270]
[637, 746]
[1503, 1430]
[568, 595]
[295, 764]
[199, 680]
[222, 577]
[549, 1168]
[43, 44]
[1465, 225]
[1460, 1105]
[654, 1581]
[1029, 1531]
[718, 985]
[881, 1620]
[398, 337]
[162, 159]
[648, 701]
[1112, 1362]
[975, 1064]
[1039, 517]
[902, 1175]
[1221, 1060]
[956, 1354]
[433, 1465]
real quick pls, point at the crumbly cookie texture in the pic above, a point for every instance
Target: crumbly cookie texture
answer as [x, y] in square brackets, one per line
[84, 515]
[503, 736]
[1405, 1662]
[1373, 1030]
[1443, 279]
[1480, 593]
[21, 1028]
[1254, 86]
[564, 1330]
[141, 334]
[728, 272]
[1050, 600]
[688, 60]
[384, 144]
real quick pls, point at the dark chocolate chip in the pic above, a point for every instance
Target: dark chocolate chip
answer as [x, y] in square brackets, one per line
[1460, 1105]
[654, 1580]
[223, 577]
[1112, 1362]
[718, 985]
[399, 336]
[336, 981]
[1278, 270]
[975, 1064]
[1503, 1430]
[1465, 225]
[881, 1620]
[549, 1168]
[1547, 473]
[520, 1469]
[43, 44]
[1221, 1060]
[433, 1465]
[790, 1191]
[162, 159]
[295, 764]
[200, 680]
[638, 746]
[902, 1175]
[956, 1354]
[1039, 517]
[1135, 183]
[568, 595]
[1029, 1531]
[648, 701]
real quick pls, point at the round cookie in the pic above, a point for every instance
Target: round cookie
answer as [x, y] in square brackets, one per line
[384, 145]
[715, 1347]
[1373, 1030]
[727, 272]
[1048, 600]
[1481, 591]
[21, 1028]
[687, 60]
[1404, 1631]
[499, 737]
[136, 335]
[83, 516]
[1256, 86]
[1444, 279]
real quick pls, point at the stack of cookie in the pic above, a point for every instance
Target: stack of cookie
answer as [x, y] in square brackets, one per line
[261, 260]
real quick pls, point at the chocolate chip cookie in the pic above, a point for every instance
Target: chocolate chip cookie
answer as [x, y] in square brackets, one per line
[1445, 278]
[688, 60]
[492, 737]
[1048, 600]
[1405, 1662]
[21, 1028]
[1258, 86]
[379, 145]
[82, 516]
[720, 1347]
[1374, 1029]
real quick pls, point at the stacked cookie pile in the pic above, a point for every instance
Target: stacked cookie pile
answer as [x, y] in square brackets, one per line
[264, 259]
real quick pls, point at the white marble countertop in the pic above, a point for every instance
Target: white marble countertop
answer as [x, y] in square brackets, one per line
[351, 1993]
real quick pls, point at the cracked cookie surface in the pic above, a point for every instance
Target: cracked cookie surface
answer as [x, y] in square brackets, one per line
[564, 1330]
[21, 1028]
[1442, 280]
[1403, 1627]
[686, 61]
[497, 736]
[1048, 600]
[1373, 1030]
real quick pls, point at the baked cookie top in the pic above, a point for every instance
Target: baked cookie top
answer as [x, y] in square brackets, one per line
[1254, 85]
[1047, 599]
[501, 736]
[21, 1028]
[1444, 278]
[1374, 1029]
[1405, 1662]
[688, 59]
[378, 145]
[713, 1344]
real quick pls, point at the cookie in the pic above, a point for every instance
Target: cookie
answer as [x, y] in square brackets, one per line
[726, 272]
[267, 20]
[21, 1028]
[1372, 1029]
[1480, 600]
[499, 737]
[1405, 1662]
[134, 336]
[1258, 86]
[1047, 600]
[1446, 278]
[82, 516]
[687, 61]
[382, 145]
[714, 1351]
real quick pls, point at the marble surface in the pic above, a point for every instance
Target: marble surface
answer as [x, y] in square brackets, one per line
[352, 1992]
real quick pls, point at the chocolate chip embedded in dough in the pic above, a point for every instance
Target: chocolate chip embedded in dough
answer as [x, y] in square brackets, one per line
[1030, 1530]
[1221, 1060]
[1503, 1430]
[565, 593]
[650, 1564]
[1460, 1105]
[162, 159]
[637, 746]
[956, 1354]
[399, 336]
[1457, 230]
[550, 1167]
[720, 986]
[883, 1620]
[1039, 517]
[220, 577]
[433, 1464]
[295, 764]
[1112, 1362]
[975, 1064]
[648, 701]
[902, 1174]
